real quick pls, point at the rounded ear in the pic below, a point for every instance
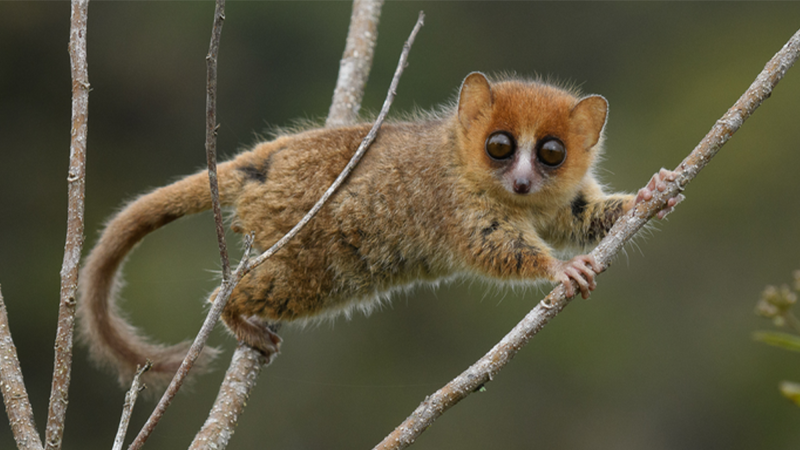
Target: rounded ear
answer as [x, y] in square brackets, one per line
[588, 118]
[474, 99]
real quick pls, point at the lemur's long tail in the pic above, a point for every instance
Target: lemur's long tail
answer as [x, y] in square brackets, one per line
[112, 340]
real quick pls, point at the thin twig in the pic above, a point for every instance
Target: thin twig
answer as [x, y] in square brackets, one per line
[211, 134]
[130, 401]
[12, 385]
[356, 63]
[247, 363]
[73, 247]
[488, 366]
[240, 379]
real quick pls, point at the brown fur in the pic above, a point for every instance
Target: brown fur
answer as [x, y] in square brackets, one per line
[424, 204]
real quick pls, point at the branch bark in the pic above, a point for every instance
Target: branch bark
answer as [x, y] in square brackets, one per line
[76, 180]
[625, 228]
[240, 379]
[12, 385]
[211, 134]
[356, 63]
[130, 401]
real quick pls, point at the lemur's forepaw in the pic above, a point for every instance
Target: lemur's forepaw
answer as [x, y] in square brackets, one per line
[659, 182]
[582, 269]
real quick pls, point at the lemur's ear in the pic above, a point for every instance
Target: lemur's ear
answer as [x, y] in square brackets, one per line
[475, 98]
[588, 118]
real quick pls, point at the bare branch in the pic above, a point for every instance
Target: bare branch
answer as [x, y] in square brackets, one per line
[240, 379]
[76, 180]
[489, 365]
[211, 133]
[12, 384]
[130, 401]
[356, 63]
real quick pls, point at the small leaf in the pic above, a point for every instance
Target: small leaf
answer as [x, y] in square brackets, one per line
[783, 340]
[791, 391]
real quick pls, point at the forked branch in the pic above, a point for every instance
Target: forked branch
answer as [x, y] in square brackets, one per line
[626, 227]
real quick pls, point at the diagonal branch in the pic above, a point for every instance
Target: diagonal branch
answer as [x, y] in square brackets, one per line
[12, 385]
[626, 227]
[74, 241]
[130, 402]
[356, 63]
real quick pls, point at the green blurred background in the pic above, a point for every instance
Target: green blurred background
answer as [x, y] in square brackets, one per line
[661, 357]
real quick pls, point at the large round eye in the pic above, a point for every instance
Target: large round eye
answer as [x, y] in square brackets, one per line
[551, 152]
[500, 145]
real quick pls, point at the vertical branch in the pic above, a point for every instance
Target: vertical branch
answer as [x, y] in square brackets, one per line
[12, 385]
[356, 62]
[130, 401]
[625, 228]
[240, 379]
[74, 242]
[211, 134]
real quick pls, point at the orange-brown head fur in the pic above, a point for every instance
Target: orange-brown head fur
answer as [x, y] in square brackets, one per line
[528, 111]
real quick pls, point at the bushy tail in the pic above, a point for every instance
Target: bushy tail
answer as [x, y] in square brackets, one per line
[112, 340]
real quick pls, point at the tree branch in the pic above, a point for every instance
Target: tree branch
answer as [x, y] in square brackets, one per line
[130, 401]
[625, 228]
[12, 385]
[356, 63]
[240, 379]
[211, 133]
[76, 180]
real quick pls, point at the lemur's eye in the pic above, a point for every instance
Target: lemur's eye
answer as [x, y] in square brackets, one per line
[500, 145]
[551, 152]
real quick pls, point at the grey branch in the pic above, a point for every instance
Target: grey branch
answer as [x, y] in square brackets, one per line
[130, 402]
[211, 134]
[76, 181]
[12, 385]
[240, 379]
[625, 228]
[356, 63]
